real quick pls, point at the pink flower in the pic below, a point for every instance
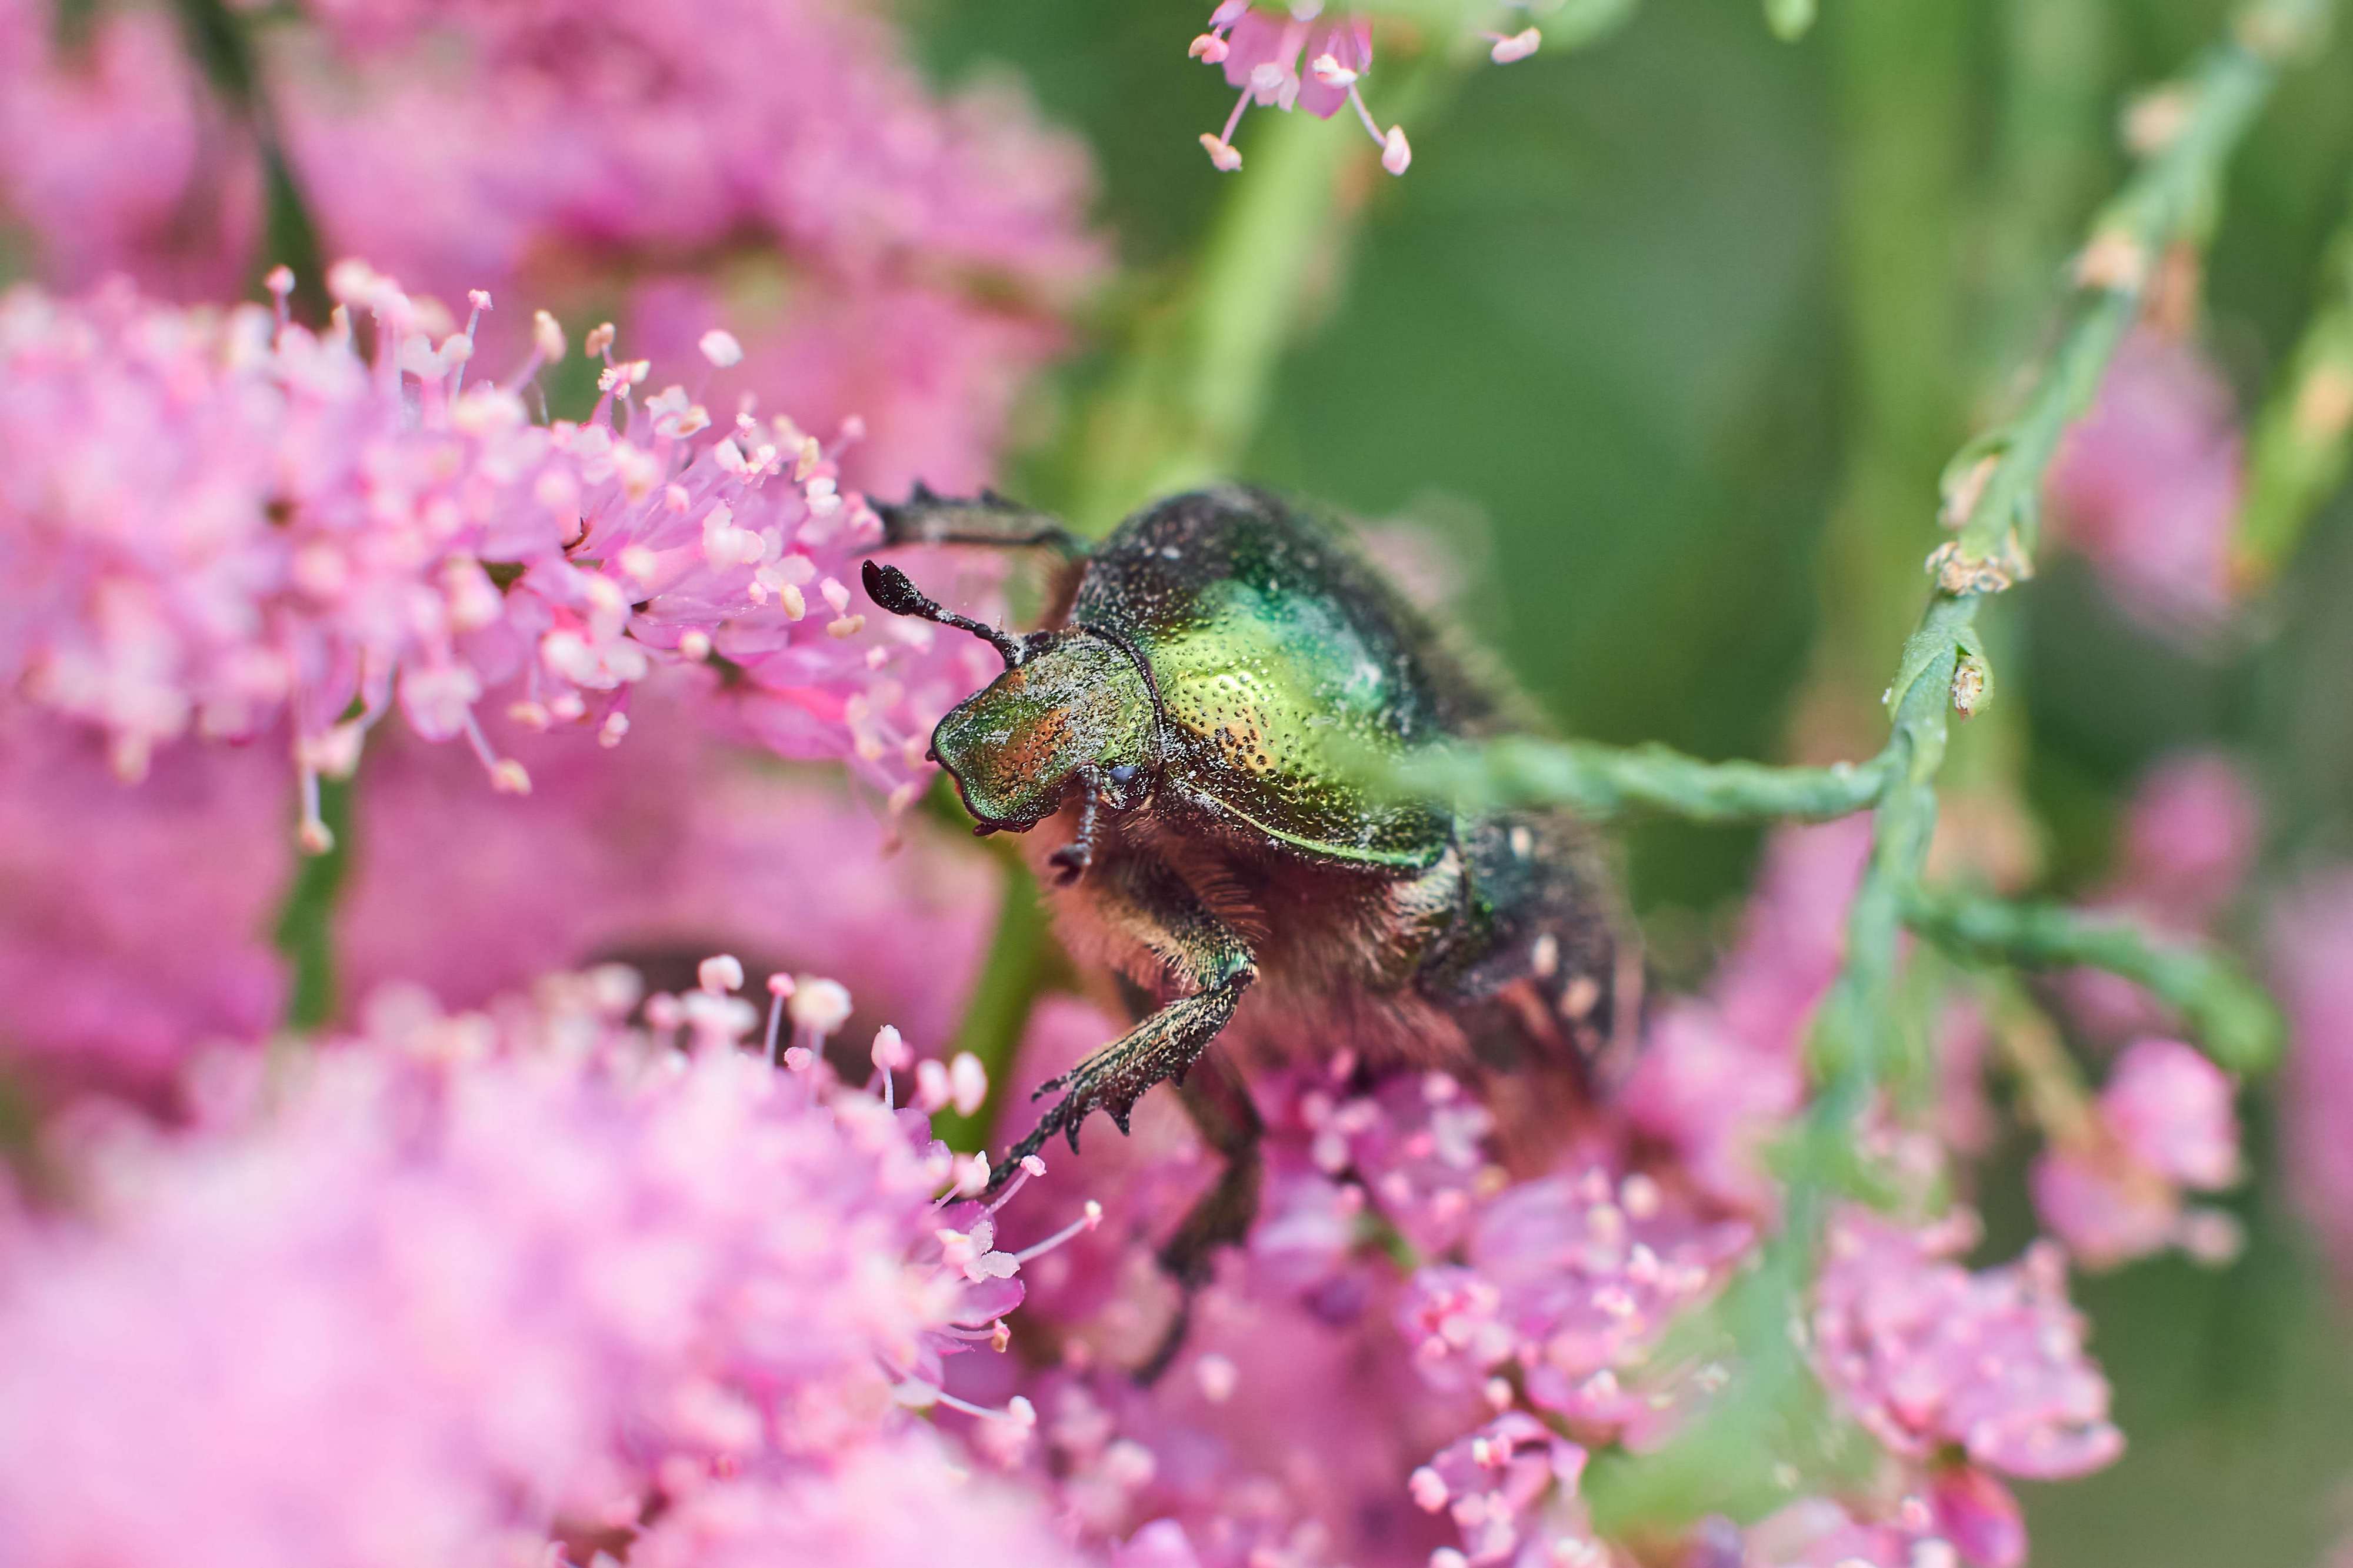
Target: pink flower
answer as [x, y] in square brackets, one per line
[1290, 54]
[1824, 1532]
[2147, 485]
[1925, 1353]
[2311, 942]
[2170, 1107]
[2190, 835]
[213, 521]
[138, 927]
[671, 846]
[2106, 1208]
[1510, 1488]
[116, 154]
[432, 1292]
[1263, 51]
[2164, 1121]
[779, 168]
[1570, 1280]
[897, 1503]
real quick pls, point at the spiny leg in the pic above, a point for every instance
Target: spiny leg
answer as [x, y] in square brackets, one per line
[925, 518]
[1154, 903]
[1071, 860]
[1221, 1110]
[1163, 1047]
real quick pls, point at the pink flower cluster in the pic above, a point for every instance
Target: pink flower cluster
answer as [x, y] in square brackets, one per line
[611, 1280]
[1927, 1354]
[778, 168]
[1263, 45]
[138, 926]
[2164, 1123]
[2311, 942]
[216, 520]
[471, 1279]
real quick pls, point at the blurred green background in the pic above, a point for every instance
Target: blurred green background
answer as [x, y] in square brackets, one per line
[1670, 335]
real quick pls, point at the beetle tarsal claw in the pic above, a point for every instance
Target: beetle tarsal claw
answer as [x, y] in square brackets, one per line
[1115, 1077]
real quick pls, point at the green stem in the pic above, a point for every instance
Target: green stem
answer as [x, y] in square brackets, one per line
[1020, 959]
[2304, 440]
[1199, 375]
[305, 929]
[1608, 781]
[2223, 1008]
[1855, 1046]
[222, 45]
[2154, 209]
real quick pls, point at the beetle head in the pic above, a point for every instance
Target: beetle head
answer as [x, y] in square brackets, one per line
[1069, 701]
[1016, 747]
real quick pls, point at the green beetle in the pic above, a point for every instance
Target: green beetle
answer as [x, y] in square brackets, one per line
[1185, 742]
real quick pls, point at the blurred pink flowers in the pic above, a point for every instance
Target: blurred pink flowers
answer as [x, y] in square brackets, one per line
[137, 924]
[2146, 486]
[1967, 1376]
[215, 520]
[473, 1277]
[2311, 942]
[2164, 1122]
[775, 168]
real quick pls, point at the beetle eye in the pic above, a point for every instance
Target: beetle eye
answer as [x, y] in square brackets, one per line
[1122, 774]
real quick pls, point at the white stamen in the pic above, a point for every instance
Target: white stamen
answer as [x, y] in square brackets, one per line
[1087, 1221]
[1327, 68]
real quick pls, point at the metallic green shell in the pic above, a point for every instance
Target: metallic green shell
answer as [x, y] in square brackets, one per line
[1283, 662]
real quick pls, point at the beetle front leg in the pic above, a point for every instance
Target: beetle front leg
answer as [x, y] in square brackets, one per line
[1163, 1047]
[1154, 903]
[1071, 860]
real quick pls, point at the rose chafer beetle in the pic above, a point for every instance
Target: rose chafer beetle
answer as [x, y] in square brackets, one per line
[1186, 741]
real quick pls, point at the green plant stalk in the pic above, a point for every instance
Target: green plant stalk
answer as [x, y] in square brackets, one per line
[2228, 1013]
[2303, 439]
[223, 50]
[305, 928]
[1021, 957]
[1856, 1044]
[1200, 375]
[1608, 782]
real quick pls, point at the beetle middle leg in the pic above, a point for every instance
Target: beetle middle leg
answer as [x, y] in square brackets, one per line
[1222, 1112]
[1154, 905]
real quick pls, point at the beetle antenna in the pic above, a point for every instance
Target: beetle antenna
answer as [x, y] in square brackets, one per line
[889, 587]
